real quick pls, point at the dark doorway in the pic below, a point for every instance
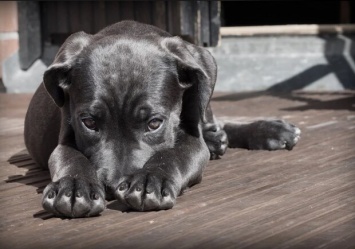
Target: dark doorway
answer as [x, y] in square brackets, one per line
[254, 13]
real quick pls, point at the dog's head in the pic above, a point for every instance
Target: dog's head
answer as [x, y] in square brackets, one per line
[125, 98]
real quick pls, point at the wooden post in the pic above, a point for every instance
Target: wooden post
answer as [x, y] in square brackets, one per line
[200, 22]
[29, 33]
[215, 22]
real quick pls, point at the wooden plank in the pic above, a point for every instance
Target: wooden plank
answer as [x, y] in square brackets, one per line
[86, 16]
[215, 22]
[99, 15]
[57, 21]
[159, 14]
[187, 18]
[44, 22]
[112, 12]
[248, 199]
[74, 17]
[62, 18]
[205, 23]
[127, 10]
[143, 11]
[197, 23]
[174, 16]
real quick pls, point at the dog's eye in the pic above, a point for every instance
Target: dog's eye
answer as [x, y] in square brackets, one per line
[154, 124]
[89, 123]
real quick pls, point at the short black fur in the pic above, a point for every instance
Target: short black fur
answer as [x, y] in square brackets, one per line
[121, 79]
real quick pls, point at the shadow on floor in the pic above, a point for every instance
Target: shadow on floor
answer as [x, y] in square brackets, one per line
[345, 103]
[312, 100]
[40, 178]
[35, 176]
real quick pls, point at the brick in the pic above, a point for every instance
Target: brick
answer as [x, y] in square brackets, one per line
[8, 16]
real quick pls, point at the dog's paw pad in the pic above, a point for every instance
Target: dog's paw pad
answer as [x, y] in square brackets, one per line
[72, 197]
[145, 191]
[273, 135]
[287, 135]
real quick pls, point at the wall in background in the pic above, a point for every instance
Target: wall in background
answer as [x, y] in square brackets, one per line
[8, 30]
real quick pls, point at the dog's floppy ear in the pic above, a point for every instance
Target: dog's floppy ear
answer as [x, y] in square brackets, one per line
[196, 69]
[55, 78]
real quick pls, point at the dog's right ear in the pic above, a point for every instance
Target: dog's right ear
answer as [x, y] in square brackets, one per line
[56, 78]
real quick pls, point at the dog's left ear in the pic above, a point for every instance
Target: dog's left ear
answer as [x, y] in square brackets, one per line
[196, 69]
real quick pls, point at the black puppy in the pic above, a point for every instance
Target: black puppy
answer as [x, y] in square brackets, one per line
[125, 114]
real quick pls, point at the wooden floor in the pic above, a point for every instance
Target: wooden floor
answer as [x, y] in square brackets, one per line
[304, 198]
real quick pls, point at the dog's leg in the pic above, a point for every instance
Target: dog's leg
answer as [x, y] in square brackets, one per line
[75, 190]
[262, 135]
[164, 176]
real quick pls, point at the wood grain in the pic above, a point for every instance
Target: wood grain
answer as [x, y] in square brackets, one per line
[304, 198]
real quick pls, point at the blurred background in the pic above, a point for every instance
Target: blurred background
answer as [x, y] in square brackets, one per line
[275, 46]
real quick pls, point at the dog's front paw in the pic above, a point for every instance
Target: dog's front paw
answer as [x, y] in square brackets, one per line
[273, 135]
[73, 197]
[145, 191]
[216, 140]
